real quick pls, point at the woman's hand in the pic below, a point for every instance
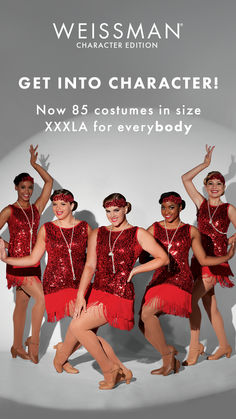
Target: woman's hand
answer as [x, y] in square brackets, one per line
[80, 305]
[33, 154]
[132, 273]
[232, 239]
[3, 254]
[231, 251]
[209, 151]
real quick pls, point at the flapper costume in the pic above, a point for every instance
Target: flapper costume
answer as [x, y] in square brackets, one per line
[19, 244]
[60, 289]
[171, 286]
[112, 289]
[214, 243]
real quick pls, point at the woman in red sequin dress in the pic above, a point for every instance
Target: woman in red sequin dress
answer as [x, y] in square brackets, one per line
[23, 221]
[214, 218]
[112, 252]
[65, 241]
[170, 289]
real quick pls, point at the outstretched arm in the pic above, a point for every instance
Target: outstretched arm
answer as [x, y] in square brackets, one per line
[187, 178]
[87, 275]
[148, 243]
[30, 260]
[48, 180]
[200, 253]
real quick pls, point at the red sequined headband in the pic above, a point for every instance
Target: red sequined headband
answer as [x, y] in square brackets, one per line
[172, 198]
[63, 197]
[29, 178]
[116, 203]
[217, 176]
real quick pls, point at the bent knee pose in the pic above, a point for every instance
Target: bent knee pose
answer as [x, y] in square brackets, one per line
[65, 241]
[112, 252]
[23, 218]
[214, 218]
[170, 289]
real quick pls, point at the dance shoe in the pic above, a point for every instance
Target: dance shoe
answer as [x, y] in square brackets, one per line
[170, 363]
[193, 355]
[221, 352]
[19, 352]
[111, 378]
[60, 361]
[33, 349]
[123, 376]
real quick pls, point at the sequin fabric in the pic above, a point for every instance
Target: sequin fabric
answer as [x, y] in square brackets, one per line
[214, 243]
[126, 251]
[58, 273]
[19, 243]
[179, 273]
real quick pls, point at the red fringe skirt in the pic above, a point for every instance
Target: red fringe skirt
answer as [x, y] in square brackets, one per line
[17, 275]
[118, 311]
[169, 299]
[60, 304]
[223, 280]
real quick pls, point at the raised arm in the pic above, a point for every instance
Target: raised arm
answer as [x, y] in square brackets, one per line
[48, 180]
[232, 217]
[148, 243]
[87, 275]
[187, 178]
[30, 260]
[200, 253]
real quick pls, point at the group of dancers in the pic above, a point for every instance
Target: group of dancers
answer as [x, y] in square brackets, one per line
[76, 255]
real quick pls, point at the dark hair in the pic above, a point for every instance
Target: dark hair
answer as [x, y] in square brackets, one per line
[167, 194]
[64, 192]
[210, 174]
[19, 178]
[117, 196]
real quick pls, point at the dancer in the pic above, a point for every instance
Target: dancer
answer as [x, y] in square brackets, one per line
[170, 289]
[112, 252]
[214, 218]
[65, 241]
[23, 221]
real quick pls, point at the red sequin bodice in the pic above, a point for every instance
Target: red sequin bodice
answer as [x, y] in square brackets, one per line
[179, 273]
[58, 273]
[19, 229]
[213, 242]
[126, 251]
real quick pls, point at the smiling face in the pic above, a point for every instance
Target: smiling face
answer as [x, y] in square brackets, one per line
[116, 215]
[62, 209]
[170, 211]
[215, 188]
[24, 190]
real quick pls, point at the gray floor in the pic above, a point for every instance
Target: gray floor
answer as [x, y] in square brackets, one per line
[26, 388]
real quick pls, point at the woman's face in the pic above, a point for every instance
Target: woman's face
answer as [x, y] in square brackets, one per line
[214, 188]
[24, 190]
[170, 211]
[116, 215]
[62, 209]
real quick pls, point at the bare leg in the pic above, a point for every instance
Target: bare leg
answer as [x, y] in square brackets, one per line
[127, 374]
[210, 305]
[32, 287]
[152, 328]
[154, 334]
[82, 329]
[201, 287]
[19, 316]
